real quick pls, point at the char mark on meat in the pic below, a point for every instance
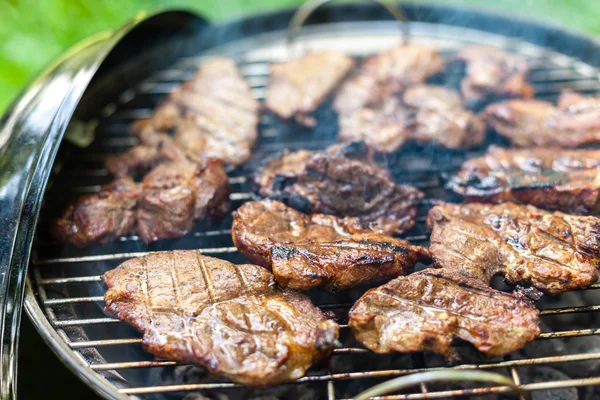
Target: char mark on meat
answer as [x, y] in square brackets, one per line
[573, 122]
[551, 251]
[423, 114]
[334, 182]
[164, 206]
[298, 86]
[494, 73]
[550, 178]
[212, 116]
[309, 251]
[230, 318]
[429, 309]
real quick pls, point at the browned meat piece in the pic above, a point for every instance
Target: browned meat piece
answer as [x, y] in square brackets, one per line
[308, 251]
[550, 178]
[573, 123]
[163, 206]
[230, 318]
[429, 309]
[384, 126]
[176, 194]
[213, 116]
[99, 217]
[385, 74]
[133, 162]
[554, 252]
[298, 86]
[441, 118]
[426, 113]
[492, 72]
[332, 183]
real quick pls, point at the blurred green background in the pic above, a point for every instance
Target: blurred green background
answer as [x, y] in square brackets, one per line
[33, 32]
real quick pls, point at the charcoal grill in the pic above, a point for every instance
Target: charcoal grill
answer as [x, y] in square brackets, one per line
[129, 72]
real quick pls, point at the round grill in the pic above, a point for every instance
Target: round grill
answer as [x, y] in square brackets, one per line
[65, 284]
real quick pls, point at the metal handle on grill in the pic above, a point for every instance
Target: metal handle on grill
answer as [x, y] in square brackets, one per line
[449, 375]
[311, 6]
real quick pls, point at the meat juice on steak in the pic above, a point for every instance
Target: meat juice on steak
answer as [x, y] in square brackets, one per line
[552, 251]
[230, 318]
[298, 86]
[309, 251]
[573, 122]
[332, 182]
[549, 178]
[427, 310]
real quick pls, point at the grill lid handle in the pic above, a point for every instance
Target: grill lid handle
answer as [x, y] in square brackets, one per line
[310, 6]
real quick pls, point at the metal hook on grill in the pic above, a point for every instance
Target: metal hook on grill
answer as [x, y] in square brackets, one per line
[407, 381]
[310, 6]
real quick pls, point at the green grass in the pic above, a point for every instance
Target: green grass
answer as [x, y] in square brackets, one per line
[33, 32]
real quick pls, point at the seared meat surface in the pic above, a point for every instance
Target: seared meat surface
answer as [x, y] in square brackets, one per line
[429, 309]
[176, 194]
[163, 206]
[492, 72]
[552, 251]
[297, 87]
[212, 116]
[424, 113]
[574, 122]
[385, 74]
[550, 178]
[441, 118]
[331, 182]
[308, 251]
[230, 318]
[99, 217]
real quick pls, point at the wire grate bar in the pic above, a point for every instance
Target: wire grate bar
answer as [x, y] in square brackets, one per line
[75, 279]
[571, 333]
[71, 300]
[121, 256]
[104, 342]
[83, 322]
[393, 373]
[511, 364]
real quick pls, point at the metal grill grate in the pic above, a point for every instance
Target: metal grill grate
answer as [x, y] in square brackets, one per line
[67, 280]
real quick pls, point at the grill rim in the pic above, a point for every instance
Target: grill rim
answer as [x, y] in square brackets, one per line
[101, 385]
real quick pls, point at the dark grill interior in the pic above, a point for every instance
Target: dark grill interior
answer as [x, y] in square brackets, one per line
[67, 283]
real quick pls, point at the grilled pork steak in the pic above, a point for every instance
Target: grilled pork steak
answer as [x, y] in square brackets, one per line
[574, 122]
[308, 251]
[424, 113]
[332, 182]
[230, 318]
[176, 194]
[429, 309]
[492, 72]
[385, 74]
[163, 206]
[99, 217]
[554, 252]
[550, 178]
[297, 87]
[213, 116]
